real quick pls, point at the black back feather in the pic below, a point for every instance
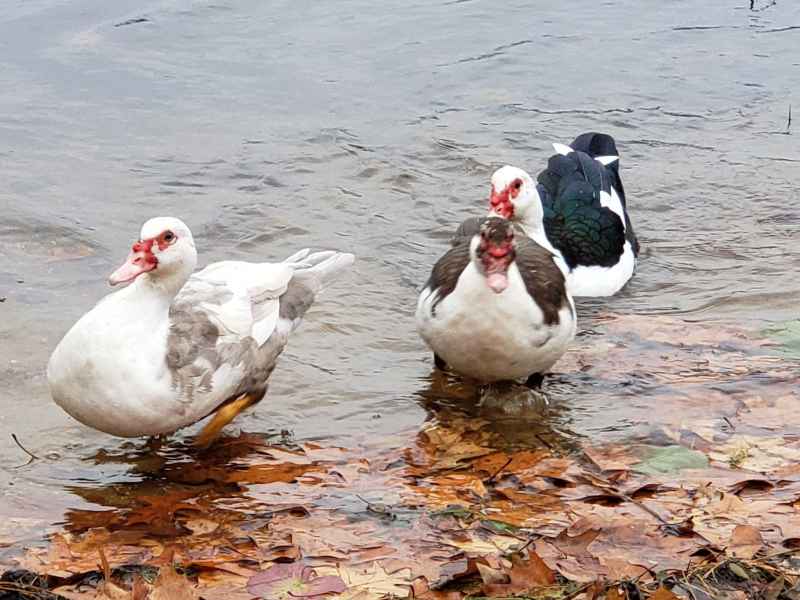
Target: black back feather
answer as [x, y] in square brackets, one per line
[576, 223]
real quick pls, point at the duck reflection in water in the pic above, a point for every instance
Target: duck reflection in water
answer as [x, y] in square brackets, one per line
[512, 414]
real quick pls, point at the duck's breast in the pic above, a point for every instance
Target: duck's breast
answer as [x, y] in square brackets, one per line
[492, 336]
[109, 372]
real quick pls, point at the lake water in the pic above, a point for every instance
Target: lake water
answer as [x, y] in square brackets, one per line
[373, 127]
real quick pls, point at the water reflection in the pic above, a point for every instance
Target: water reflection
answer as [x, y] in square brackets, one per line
[513, 415]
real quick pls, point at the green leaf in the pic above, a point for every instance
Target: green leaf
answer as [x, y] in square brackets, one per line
[458, 512]
[738, 571]
[786, 334]
[499, 527]
[670, 459]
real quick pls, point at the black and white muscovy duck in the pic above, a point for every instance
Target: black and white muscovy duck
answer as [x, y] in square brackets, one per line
[577, 211]
[176, 346]
[496, 306]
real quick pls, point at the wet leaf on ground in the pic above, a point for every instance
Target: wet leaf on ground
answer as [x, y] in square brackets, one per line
[295, 580]
[464, 504]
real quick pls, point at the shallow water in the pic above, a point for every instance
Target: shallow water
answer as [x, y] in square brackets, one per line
[373, 128]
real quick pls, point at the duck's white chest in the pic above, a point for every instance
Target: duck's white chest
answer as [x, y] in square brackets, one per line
[110, 374]
[490, 336]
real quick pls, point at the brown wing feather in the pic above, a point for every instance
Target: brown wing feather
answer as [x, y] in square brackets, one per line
[446, 272]
[543, 279]
[467, 229]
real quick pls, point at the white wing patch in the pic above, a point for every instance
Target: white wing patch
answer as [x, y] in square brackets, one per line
[612, 202]
[562, 149]
[606, 160]
[255, 288]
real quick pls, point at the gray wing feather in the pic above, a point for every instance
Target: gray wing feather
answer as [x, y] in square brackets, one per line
[197, 351]
[307, 283]
[202, 351]
[468, 228]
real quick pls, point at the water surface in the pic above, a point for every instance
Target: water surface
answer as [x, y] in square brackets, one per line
[373, 127]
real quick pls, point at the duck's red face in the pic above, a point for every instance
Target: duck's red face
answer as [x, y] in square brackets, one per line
[142, 258]
[501, 202]
[496, 253]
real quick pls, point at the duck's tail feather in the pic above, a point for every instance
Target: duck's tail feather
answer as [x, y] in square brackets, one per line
[312, 274]
[298, 256]
[602, 147]
[323, 267]
[595, 144]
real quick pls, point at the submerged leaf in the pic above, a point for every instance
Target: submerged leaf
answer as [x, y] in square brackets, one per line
[746, 541]
[670, 459]
[525, 574]
[663, 593]
[171, 586]
[293, 580]
[373, 579]
[787, 334]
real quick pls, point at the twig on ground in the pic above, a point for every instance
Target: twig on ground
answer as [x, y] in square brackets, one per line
[378, 508]
[579, 591]
[610, 489]
[33, 457]
[525, 545]
[500, 470]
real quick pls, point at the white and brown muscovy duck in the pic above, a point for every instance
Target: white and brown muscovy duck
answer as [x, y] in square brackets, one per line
[495, 307]
[175, 346]
[577, 210]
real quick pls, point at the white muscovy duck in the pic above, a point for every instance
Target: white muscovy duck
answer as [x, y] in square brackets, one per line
[577, 211]
[495, 307]
[175, 346]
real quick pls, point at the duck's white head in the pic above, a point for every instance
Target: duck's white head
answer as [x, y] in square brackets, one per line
[514, 196]
[165, 251]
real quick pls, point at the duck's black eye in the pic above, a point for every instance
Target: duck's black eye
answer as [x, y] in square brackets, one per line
[517, 184]
[169, 236]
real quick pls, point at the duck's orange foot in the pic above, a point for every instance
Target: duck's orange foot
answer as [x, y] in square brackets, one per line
[224, 415]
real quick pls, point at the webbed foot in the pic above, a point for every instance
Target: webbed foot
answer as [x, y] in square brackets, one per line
[224, 415]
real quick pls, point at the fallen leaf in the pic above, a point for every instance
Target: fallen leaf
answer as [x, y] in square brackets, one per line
[663, 593]
[611, 457]
[525, 575]
[745, 542]
[293, 580]
[171, 586]
[157, 513]
[373, 579]
[111, 591]
[761, 454]
[491, 576]
[788, 335]
[201, 526]
[670, 459]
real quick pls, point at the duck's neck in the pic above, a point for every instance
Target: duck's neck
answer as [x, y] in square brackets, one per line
[159, 291]
[534, 229]
[532, 223]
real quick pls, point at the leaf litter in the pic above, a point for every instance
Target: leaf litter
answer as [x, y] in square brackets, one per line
[701, 499]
